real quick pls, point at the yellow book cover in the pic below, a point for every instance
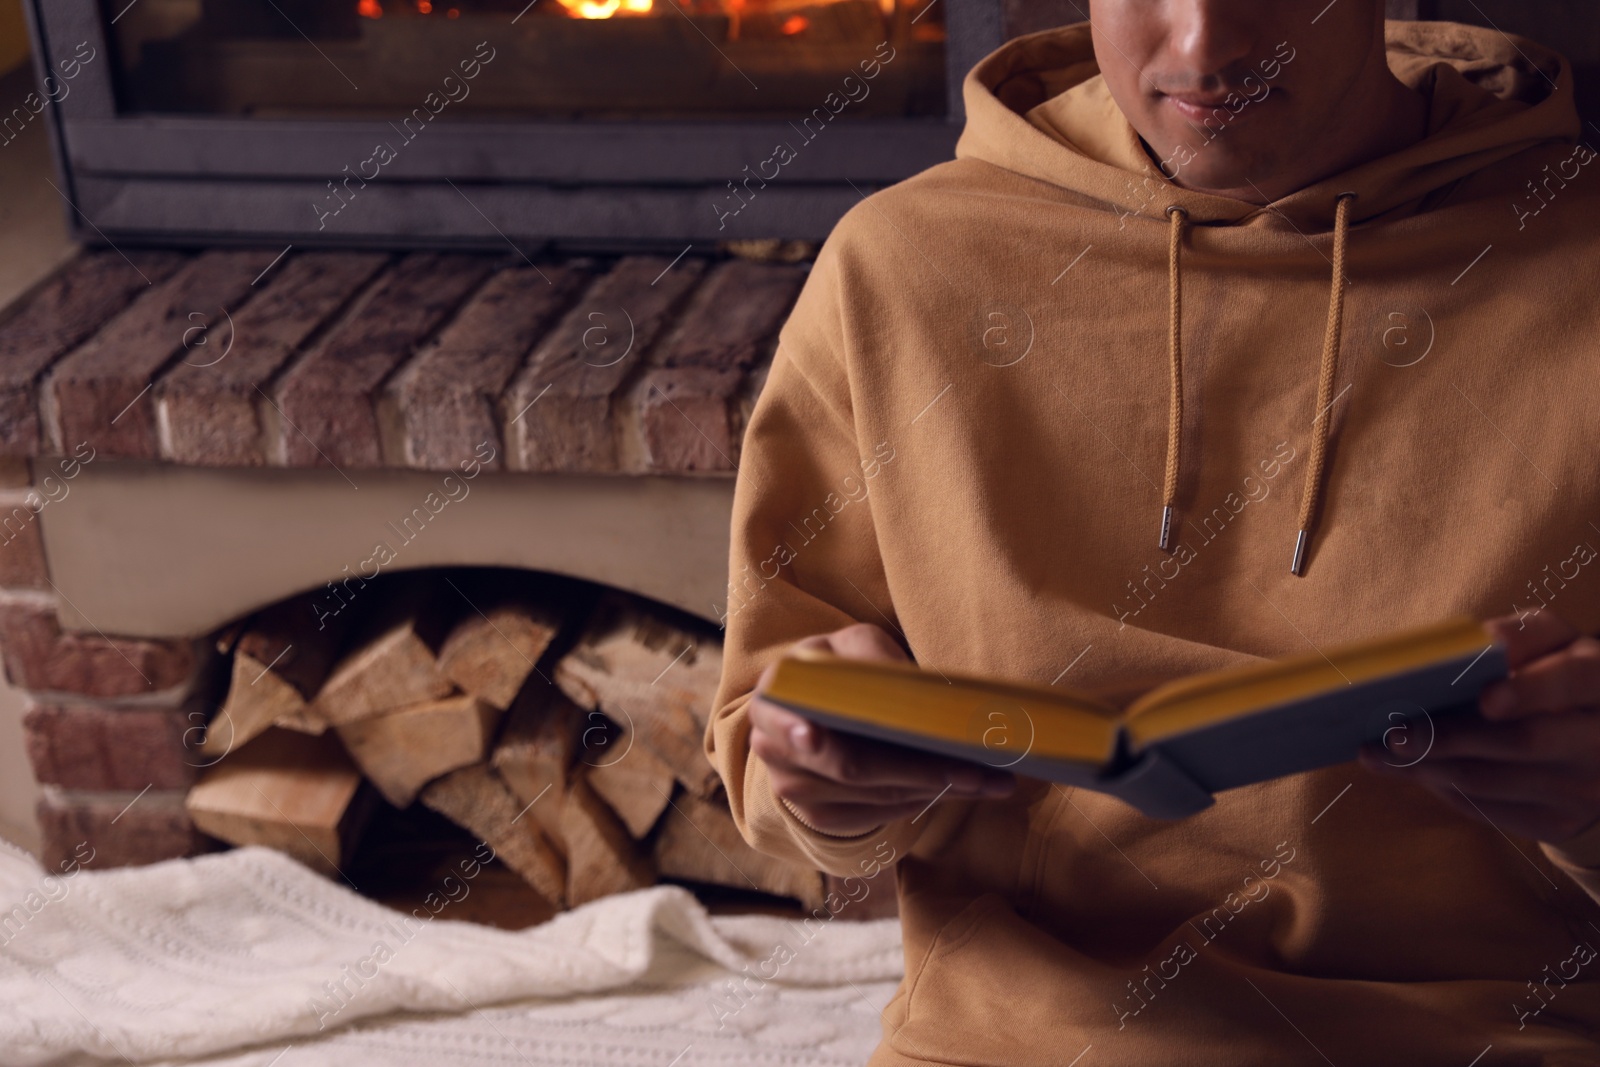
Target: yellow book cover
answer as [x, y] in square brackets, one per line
[1174, 747]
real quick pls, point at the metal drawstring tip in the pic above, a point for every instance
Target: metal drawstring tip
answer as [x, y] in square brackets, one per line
[1166, 528]
[1299, 565]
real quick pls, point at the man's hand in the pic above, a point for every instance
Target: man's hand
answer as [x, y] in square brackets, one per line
[845, 785]
[1532, 768]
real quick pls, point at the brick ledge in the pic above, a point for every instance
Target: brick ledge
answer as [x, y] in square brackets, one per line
[420, 361]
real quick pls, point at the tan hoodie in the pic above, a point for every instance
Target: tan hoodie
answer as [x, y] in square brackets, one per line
[965, 439]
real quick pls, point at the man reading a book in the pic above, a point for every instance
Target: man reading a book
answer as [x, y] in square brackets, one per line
[1236, 330]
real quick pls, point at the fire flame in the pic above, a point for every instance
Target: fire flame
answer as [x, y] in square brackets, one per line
[604, 9]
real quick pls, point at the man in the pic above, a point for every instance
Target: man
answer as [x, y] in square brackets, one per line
[1236, 329]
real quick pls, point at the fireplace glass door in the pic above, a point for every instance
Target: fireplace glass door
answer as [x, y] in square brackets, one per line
[550, 59]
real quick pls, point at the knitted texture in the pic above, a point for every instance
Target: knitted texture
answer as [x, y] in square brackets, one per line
[243, 954]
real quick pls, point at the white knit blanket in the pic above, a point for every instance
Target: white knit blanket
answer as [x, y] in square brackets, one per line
[248, 959]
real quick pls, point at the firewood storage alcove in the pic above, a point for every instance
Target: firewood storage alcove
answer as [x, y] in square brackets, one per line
[392, 732]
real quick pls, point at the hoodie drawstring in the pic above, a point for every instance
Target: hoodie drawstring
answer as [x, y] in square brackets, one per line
[1311, 497]
[1316, 463]
[1175, 358]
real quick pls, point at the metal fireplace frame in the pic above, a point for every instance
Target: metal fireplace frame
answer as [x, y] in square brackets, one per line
[216, 180]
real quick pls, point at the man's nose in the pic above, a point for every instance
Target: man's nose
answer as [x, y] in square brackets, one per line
[1208, 37]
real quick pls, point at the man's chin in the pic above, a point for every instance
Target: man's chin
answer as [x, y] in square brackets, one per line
[1232, 173]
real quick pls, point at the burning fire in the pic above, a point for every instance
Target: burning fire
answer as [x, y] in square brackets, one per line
[790, 26]
[373, 9]
[604, 9]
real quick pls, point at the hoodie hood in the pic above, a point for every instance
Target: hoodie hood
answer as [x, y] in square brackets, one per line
[1038, 106]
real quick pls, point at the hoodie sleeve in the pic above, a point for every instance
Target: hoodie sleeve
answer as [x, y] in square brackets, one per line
[804, 560]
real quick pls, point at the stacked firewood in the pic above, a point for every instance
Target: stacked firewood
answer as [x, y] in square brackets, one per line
[559, 724]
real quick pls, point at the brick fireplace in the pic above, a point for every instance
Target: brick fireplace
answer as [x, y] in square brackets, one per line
[168, 476]
[196, 424]
[277, 346]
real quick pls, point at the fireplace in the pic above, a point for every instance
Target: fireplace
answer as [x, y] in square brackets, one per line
[504, 289]
[475, 122]
[252, 417]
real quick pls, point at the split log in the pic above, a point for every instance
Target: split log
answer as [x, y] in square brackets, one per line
[280, 661]
[393, 657]
[601, 857]
[650, 676]
[226, 638]
[491, 651]
[402, 751]
[699, 842]
[257, 699]
[475, 799]
[636, 783]
[290, 791]
[536, 751]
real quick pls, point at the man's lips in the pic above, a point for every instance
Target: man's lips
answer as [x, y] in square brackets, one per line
[1201, 106]
[1198, 106]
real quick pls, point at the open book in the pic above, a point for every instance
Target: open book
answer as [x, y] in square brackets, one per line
[1169, 751]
